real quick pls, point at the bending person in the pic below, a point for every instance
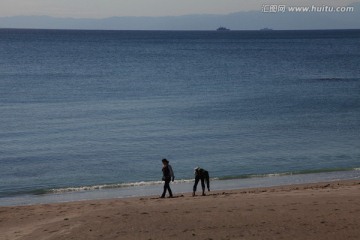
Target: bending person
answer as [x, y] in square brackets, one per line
[203, 175]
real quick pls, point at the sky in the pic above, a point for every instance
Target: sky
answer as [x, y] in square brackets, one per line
[112, 8]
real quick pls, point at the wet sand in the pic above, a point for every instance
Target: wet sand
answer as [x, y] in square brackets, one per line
[310, 211]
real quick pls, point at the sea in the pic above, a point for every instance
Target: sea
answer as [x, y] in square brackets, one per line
[91, 114]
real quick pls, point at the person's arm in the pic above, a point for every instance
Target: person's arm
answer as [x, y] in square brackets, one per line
[171, 173]
[207, 177]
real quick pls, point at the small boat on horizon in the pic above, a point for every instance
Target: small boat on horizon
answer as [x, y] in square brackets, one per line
[222, 29]
[266, 29]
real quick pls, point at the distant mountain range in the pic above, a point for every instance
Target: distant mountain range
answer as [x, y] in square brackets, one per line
[252, 20]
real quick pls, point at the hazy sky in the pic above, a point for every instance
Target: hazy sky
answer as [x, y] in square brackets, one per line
[110, 8]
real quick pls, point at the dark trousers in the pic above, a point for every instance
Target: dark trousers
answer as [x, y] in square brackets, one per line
[203, 178]
[167, 188]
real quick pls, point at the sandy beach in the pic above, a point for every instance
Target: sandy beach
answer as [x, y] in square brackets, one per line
[312, 211]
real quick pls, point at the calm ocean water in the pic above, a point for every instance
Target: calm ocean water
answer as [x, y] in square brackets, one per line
[82, 110]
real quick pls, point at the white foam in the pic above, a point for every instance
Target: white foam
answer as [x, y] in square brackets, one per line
[114, 186]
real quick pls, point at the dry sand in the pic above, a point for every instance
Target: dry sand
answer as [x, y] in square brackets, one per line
[312, 211]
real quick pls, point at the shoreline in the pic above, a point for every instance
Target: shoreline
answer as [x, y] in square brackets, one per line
[326, 210]
[179, 187]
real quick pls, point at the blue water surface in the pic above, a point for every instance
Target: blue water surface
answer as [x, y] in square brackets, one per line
[90, 108]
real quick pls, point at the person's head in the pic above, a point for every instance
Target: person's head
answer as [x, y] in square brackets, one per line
[165, 161]
[196, 170]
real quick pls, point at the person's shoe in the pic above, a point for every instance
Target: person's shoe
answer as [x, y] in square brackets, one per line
[162, 196]
[193, 194]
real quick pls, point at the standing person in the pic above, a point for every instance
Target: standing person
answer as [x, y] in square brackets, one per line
[203, 175]
[168, 175]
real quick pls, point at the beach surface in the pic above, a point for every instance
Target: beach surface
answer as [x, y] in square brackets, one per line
[318, 211]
